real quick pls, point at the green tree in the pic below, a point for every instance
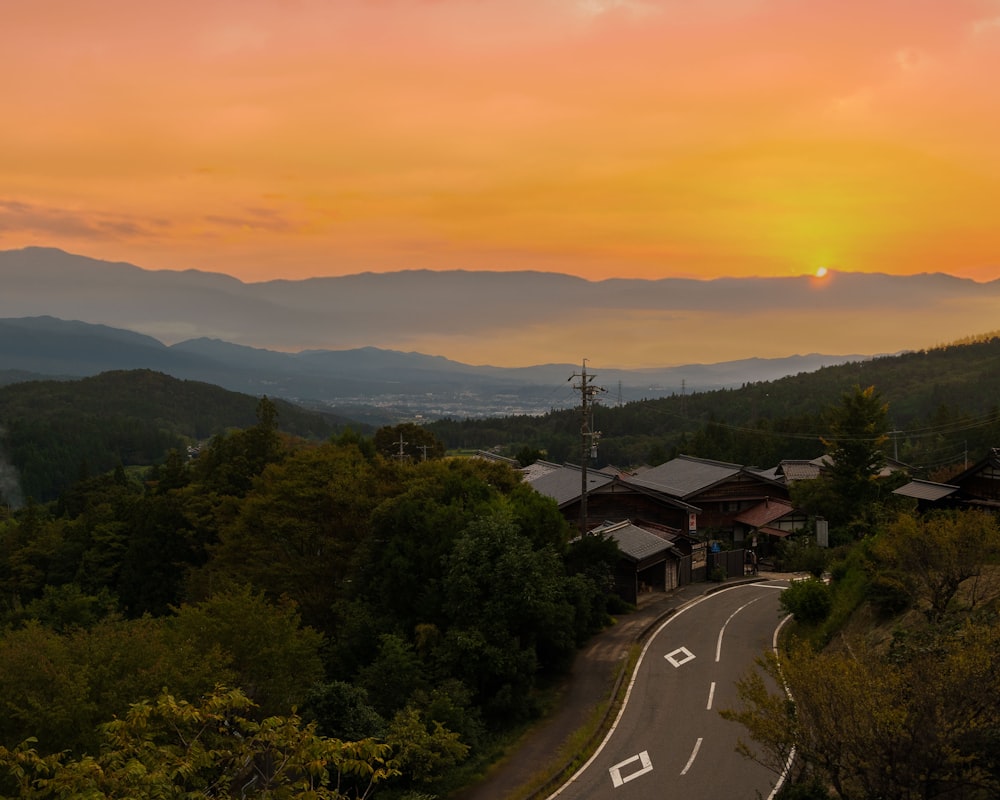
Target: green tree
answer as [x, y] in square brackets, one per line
[393, 676]
[170, 748]
[858, 433]
[57, 687]
[809, 601]
[232, 461]
[509, 616]
[265, 650]
[910, 723]
[423, 750]
[341, 710]
[937, 553]
[298, 532]
[408, 442]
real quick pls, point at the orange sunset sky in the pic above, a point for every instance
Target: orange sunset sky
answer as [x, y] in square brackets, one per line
[630, 138]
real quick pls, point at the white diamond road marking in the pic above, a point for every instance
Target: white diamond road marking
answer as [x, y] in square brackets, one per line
[616, 771]
[680, 656]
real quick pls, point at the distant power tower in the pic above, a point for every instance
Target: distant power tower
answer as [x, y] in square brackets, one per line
[401, 454]
[588, 438]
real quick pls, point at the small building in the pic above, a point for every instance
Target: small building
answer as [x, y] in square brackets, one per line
[928, 494]
[648, 563]
[977, 486]
[760, 526]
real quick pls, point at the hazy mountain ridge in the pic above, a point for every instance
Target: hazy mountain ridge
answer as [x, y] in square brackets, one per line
[429, 385]
[474, 317]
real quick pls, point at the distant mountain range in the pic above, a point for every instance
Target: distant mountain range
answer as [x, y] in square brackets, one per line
[482, 318]
[356, 381]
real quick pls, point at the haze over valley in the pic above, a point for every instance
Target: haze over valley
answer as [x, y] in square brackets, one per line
[516, 320]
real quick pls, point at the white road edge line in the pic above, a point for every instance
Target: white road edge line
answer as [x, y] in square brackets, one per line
[722, 631]
[694, 755]
[635, 671]
[791, 754]
[711, 696]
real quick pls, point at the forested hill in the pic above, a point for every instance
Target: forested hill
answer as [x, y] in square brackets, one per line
[53, 432]
[944, 404]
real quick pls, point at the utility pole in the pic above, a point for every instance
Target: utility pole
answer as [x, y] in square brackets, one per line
[401, 455]
[588, 438]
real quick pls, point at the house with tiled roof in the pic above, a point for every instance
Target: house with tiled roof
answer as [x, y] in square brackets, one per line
[649, 562]
[760, 526]
[977, 486]
[928, 494]
[613, 495]
[720, 489]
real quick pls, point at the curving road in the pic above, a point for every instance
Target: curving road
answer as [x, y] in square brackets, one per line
[669, 740]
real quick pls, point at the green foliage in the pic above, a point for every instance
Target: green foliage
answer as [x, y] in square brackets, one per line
[262, 645]
[65, 607]
[393, 676]
[341, 710]
[809, 601]
[126, 418]
[801, 554]
[936, 553]
[57, 683]
[57, 687]
[408, 442]
[857, 724]
[172, 748]
[945, 396]
[299, 533]
[303, 574]
[889, 593]
[507, 613]
[423, 750]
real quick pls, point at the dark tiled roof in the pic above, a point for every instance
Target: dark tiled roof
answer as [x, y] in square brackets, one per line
[765, 513]
[926, 490]
[635, 543]
[565, 484]
[799, 470]
[686, 475]
[992, 459]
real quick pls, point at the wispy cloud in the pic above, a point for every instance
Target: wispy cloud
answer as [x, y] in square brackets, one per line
[602, 137]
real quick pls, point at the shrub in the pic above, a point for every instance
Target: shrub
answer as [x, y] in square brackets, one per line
[799, 555]
[809, 601]
[889, 594]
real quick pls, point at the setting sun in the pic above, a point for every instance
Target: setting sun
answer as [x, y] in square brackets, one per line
[821, 272]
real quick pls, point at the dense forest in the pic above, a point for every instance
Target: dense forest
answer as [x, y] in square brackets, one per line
[943, 406]
[427, 604]
[55, 432]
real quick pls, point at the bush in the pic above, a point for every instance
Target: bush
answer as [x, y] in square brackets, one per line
[808, 601]
[889, 594]
[813, 789]
[797, 555]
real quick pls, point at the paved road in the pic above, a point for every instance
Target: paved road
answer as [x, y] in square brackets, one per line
[669, 740]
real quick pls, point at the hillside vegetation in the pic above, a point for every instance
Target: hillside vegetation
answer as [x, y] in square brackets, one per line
[55, 432]
[306, 618]
[427, 605]
[943, 404]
